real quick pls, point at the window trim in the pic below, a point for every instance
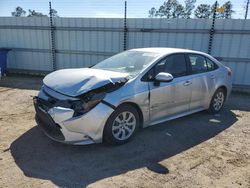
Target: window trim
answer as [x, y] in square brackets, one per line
[215, 65]
[205, 57]
[145, 78]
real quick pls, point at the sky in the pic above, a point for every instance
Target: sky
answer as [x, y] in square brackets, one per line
[102, 8]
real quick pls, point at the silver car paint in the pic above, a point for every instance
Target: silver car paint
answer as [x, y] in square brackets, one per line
[74, 82]
[75, 129]
[179, 100]
[169, 99]
[157, 103]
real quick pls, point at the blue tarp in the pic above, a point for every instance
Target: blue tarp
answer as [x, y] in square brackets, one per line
[3, 60]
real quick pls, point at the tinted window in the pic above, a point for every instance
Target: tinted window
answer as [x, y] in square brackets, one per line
[198, 63]
[210, 65]
[173, 64]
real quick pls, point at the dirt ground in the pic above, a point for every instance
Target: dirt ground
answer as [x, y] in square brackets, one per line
[200, 150]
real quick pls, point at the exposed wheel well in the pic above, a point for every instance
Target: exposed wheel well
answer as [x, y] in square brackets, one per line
[138, 109]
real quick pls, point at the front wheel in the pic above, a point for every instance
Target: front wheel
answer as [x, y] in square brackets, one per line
[217, 101]
[121, 125]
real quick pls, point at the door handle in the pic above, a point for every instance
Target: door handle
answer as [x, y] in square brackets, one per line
[187, 83]
[212, 76]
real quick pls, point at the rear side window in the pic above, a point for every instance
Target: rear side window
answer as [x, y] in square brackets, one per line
[211, 65]
[198, 63]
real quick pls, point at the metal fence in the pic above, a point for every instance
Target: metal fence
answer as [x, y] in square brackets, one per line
[82, 42]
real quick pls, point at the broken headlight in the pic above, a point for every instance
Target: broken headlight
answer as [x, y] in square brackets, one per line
[87, 103]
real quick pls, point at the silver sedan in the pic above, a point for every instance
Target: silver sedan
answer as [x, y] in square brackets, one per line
[133, 89]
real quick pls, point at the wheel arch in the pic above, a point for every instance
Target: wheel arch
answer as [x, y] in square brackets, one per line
[106, 131]
[138, 109]
[224, 88]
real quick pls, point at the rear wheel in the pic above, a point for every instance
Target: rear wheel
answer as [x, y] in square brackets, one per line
[121, 125]
[217, 101]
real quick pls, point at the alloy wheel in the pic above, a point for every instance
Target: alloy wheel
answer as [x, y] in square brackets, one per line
[218, 101]
[124, 125]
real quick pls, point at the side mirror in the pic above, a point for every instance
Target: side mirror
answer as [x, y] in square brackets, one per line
[164, 77]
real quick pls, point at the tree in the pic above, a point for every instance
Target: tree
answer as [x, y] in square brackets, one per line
[228, 11]
[202, 11]
[178, 11]
[33, 13]
[189, 6]
[218, 14]
[227, 14]
[164, 10]
[169, 9]
[54, 13]
[18, 12]
[152, 12]
[173, 9]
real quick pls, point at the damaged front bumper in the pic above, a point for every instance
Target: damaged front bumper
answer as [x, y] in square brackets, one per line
[59, 124]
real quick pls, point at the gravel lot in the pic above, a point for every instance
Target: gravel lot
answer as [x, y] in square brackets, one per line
[200, 150]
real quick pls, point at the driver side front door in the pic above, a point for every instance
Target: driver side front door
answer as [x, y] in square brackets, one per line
[169, 99]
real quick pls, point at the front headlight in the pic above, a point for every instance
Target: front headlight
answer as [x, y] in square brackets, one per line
[89, 102]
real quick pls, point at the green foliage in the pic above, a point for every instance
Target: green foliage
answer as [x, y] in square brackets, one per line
[227, 14]
[33, 13]
[54, 13]
[203, 11]
[173, 9]
[169, 9]
[18, 12]
[152, 12]
[189, 6]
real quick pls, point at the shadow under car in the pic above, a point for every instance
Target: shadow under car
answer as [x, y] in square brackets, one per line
[76, 166]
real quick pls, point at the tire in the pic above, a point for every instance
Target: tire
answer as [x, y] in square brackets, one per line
[217, 101]
[123, 119]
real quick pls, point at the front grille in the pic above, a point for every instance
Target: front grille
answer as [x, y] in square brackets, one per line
[45, 121]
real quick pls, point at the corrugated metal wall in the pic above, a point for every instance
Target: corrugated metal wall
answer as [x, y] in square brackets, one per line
[81, 42]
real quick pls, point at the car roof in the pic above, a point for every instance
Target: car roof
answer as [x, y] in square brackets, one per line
[165, 51]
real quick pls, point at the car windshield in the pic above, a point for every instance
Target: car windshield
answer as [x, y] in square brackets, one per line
[132, 62]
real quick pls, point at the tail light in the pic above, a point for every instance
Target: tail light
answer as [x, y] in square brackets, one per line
[229, 71]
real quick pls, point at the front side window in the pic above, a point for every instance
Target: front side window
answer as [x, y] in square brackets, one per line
[176, 65]
[173, 64]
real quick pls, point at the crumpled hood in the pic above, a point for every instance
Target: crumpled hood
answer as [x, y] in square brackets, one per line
[75, 82]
